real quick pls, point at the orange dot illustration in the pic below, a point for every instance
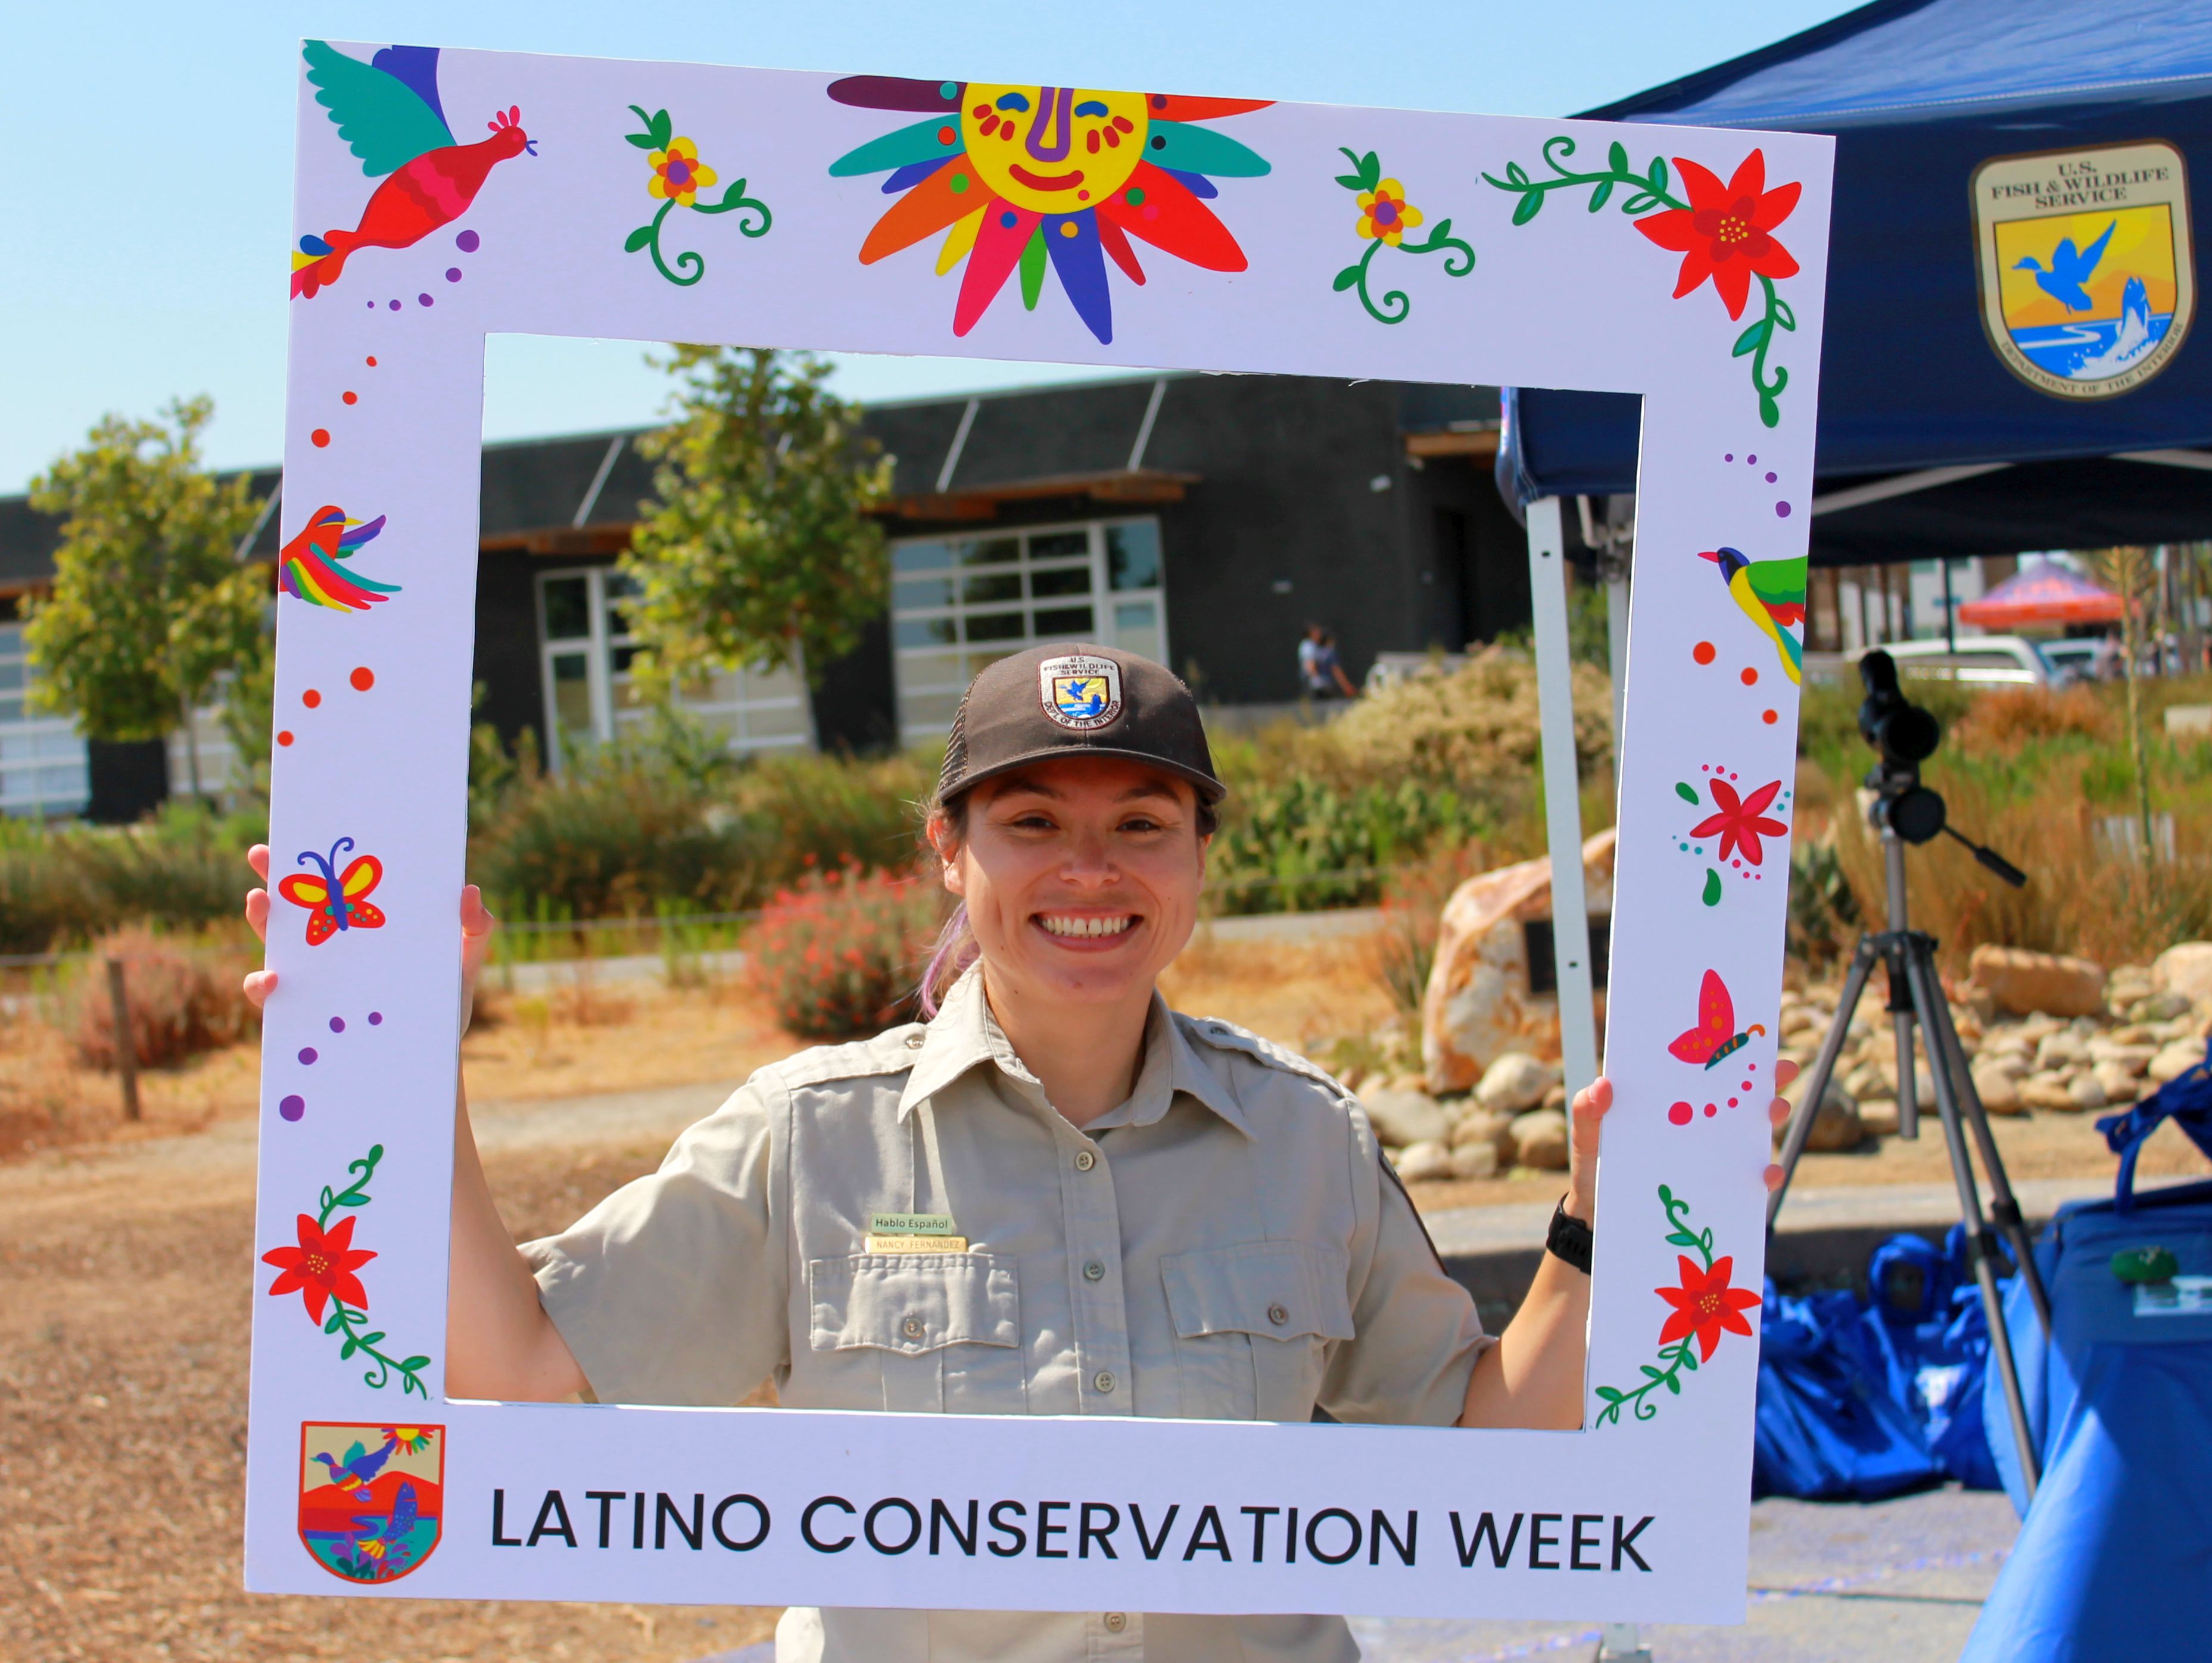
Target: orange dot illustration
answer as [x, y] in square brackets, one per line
[320, 436]
[1750, 676]
[1769, 717]
[311, 698]
[348, 398]
[363, 679]
[284, 737]
[1703, 652]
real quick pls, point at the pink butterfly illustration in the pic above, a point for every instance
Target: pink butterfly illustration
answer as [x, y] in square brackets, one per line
[1714, 1036]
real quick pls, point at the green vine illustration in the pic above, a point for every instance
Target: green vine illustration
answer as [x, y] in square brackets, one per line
[1704, 1306]
[1385, 216]
[677, 177]
[321, 1270]
[1715, 217]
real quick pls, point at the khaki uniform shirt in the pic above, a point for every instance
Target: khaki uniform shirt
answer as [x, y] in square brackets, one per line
[1225, 1245]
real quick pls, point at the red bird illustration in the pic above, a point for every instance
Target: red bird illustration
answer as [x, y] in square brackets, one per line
[388, 112]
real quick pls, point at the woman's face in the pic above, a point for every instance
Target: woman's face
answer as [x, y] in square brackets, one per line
[1081, 877]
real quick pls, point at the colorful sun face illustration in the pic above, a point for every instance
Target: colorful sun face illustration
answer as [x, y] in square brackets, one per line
[1032, 178]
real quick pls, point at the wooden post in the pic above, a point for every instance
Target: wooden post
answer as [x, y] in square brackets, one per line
[126, 1048]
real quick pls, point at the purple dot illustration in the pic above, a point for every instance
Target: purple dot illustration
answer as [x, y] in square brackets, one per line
[468, 242]
[1751, 461]
[1729, 457]
[453, 274]
[376, 1019]
[394, 305]
[307, 1054]
[1782, 511]
[1769, 479]
[293, 1107]
[338, 1024]
[424, 299]
[370, 305]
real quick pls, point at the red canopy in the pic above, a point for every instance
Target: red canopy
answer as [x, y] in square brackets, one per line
[2044, 594]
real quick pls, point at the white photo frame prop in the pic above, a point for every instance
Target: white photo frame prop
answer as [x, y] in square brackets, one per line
[492, 192]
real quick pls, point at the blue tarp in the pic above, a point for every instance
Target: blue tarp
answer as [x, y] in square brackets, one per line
[1919, 93]
[2114, 1558]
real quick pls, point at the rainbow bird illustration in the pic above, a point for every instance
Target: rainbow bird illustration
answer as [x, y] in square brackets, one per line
[1772, 593]
[388, 112]
[308, 567]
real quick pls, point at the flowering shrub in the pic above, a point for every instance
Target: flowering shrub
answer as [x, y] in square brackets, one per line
[839, 952]
[182, 1002]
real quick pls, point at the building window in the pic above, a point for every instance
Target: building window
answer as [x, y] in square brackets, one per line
[587, 648]
[42, 759]
[958, 604]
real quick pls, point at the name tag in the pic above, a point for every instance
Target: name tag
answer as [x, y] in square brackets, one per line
[917, 1244]
[911, 1223]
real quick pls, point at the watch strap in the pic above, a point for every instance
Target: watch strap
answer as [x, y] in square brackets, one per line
[1568, 1238]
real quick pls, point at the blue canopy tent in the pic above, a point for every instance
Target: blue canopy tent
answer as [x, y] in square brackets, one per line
[1930, 443]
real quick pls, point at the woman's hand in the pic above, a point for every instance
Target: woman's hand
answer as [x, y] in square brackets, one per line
[477, 925]
[1587, 1120]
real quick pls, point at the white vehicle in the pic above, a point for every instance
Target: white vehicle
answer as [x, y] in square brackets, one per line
[1979, 660]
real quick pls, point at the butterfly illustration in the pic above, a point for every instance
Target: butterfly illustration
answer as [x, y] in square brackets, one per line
[335, 902]
[1714, 1036]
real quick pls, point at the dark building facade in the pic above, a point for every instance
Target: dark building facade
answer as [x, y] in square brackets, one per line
[1202, 519]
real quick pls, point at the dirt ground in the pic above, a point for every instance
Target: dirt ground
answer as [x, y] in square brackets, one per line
[126, 1254]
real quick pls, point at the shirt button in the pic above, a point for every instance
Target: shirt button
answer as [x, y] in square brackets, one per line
[1084, 1160]
[1278, 1315]
[1116, 1622]
[913, 1327]
[915, 1041]
[1103, 1380]
[1094, 1272]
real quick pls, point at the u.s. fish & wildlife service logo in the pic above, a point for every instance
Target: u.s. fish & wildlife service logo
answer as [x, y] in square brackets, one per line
[371, 1497]
[1080, 692]
[2087, 279]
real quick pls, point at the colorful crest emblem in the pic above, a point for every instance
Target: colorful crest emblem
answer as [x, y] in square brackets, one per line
[1080, 692]
[371, 1497]
[2087, 280]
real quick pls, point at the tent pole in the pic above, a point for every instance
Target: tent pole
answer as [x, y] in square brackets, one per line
[1950, 611]
[1562, 814]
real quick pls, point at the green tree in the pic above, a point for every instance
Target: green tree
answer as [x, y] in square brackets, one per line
[149, 604]
[758, 550]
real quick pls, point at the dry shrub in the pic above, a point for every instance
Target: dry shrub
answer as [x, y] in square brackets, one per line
[1479, 724]
[839, 953]
[582, 1002]
[2009, 717]
[2079, 898]
[183, 1002]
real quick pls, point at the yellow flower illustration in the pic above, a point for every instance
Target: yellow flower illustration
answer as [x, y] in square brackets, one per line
[1385, 213]
[677, 172]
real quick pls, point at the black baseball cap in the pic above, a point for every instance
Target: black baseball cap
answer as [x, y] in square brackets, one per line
[1076, 700]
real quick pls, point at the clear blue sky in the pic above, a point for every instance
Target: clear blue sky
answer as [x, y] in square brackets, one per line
[148, 156]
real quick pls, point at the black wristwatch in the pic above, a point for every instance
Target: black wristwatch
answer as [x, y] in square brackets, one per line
[1568, 1238]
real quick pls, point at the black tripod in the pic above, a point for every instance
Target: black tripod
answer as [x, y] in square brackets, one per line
[1906, 812]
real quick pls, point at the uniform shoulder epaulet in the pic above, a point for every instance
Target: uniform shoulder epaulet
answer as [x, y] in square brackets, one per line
[888, 1053]
[1228, 1036]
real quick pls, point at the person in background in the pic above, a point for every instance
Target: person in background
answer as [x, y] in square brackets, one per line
[1320, 672]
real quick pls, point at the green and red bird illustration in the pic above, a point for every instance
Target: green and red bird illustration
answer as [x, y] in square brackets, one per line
[388, 112]
[1772, 593]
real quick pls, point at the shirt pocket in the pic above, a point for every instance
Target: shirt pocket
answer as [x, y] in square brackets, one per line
[918, 1331]
[1253, 1325]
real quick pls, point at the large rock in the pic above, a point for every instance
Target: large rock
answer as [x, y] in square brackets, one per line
[2175, 1060]
[1483, 1129]
[1478, 1005]
[2046, 1091]
[2185, 969]
[2118, 1082]
[1998, 1087]
[1836, 1126]
[2020, 982]
[1475, 1161]
[1515, 1083]
[1402, 1118]
[1539, 1140]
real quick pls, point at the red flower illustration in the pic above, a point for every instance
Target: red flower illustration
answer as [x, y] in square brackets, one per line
[1740, 822]
[321, 1266]
[1724, 233]
[1704, 1305]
